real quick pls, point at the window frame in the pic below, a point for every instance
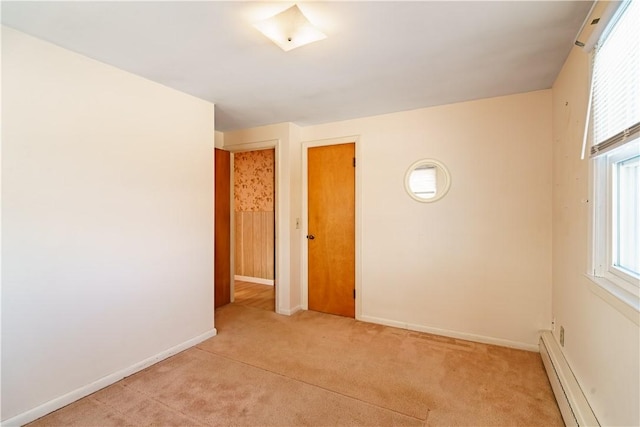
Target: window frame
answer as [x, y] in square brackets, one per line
[605, 217]
[628, 151]
[623, 287]
[619, 286]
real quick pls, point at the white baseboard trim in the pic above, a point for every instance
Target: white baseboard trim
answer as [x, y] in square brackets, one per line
[290, 311]
[79, 393]
[258, 280]
[573, 404]
[451, 334]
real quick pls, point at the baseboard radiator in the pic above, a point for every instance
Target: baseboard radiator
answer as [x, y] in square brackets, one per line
[573, 405]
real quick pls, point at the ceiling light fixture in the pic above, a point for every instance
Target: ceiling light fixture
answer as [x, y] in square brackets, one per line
[289, 29]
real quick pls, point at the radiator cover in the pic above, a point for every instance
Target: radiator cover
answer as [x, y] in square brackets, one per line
[572, 402]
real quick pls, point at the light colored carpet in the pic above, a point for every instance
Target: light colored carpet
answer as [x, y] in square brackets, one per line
[317, 369]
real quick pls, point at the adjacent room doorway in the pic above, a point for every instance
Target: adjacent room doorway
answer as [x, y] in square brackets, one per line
[254, 228]
[244, 223]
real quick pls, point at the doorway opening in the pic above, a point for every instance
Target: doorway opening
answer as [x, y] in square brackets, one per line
[253, 233]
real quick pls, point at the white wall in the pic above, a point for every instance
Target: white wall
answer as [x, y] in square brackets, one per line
[219, 139]
[602, 345]
[107, 221]
[476, 264]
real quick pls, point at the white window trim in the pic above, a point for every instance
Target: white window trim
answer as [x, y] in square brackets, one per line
[621, 290]
[622, 301]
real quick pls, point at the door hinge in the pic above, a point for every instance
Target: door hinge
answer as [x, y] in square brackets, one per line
[354, 162]
[354, 294]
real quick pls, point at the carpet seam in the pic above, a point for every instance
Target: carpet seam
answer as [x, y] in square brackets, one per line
[150, 397]
[313, 385]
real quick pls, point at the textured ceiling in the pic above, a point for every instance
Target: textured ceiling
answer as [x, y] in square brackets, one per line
[379, 57]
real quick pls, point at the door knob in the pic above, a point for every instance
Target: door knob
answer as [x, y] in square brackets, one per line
[311, 237]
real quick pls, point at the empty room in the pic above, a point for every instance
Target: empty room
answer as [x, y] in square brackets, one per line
[320, 213]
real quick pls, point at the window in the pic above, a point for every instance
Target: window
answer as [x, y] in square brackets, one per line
[423, 181]
[615, 135]
[626, 214]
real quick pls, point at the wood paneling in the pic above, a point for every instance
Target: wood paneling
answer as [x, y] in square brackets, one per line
[254, 244]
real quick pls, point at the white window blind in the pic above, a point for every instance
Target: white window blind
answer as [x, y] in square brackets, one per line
[616, 81]
[423, 181]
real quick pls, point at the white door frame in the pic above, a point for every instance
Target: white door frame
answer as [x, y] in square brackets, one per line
[304, 250]
[279, 258]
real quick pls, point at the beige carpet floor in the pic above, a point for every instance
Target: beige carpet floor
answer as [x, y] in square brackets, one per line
[317, 369]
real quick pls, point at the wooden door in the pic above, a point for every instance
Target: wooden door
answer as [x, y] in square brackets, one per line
[331, 238]
[222, 225]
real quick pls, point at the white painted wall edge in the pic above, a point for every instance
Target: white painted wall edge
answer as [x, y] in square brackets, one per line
[258, 280]
[451, 334]
[573, 403]
[64, 400]
[294, 310]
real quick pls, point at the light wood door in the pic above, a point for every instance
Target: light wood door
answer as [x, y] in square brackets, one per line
[222, 225]
[331, 238]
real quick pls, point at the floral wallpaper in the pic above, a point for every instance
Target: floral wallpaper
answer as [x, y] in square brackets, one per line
[253, 174]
